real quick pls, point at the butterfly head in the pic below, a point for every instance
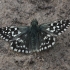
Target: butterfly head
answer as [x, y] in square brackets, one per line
[34, 22]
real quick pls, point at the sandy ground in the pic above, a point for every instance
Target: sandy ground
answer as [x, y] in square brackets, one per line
[21, 12]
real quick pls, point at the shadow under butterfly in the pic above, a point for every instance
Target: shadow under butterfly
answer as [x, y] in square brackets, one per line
[33, 38]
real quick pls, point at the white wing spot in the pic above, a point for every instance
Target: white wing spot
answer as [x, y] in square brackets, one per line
[48, 35]
[64, 29]
[19, 50]
[11, 47]
[51, 24]
[15, 28]
[59, 33]
[1, 36]
[45, 47]
[41, 43]
[41, 48]
[23, 46]
[45, 37]
[12, 27]
[22, 50]
[26, 51]
[17, 38]
[6, 39]
[53, 43]
[49, 46]
[48, 29]
[57, 26]
[19, 32]
[15, 50]
[44, 43]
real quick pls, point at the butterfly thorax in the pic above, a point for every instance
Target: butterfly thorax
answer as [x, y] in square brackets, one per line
[34, 34]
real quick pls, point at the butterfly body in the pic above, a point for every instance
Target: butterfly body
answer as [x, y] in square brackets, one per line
[33, 38]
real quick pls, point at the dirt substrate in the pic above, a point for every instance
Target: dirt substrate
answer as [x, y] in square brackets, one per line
[20, 13]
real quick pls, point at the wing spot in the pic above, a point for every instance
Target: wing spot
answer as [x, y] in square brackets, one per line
[6, 39]
[17, 38]
[66, 26]
[22, 50]
[12, 27]
[42, 33]
[6, 28]
[11, 43]
[51, 24]
[26, 51]
[48, 29]
[23, 46]
[16, 42]
[41, 43]
[42, 48]
[19, 32]
[17, 46]
[3, 37]
[5, 32]
[19, 50]
[45, 37]
[59, 33]
[45, 47]
[15, 28]
[11, 47]
[69, 23]
[8, 32]
[49, 46]
[15, 50]
[54, 39]
[21, 40]
[64, 29]
[53, 43]
[39, 49]
[44, 43]
[48, 35]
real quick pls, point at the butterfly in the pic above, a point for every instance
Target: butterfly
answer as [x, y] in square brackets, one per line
[33, 38]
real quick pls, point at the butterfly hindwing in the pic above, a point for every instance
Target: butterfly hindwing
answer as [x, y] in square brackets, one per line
[46, 41]
[56, 27]
[21, 44]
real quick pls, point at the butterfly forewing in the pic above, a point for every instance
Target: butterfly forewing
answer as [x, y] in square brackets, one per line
[8, 33]
[56, 27]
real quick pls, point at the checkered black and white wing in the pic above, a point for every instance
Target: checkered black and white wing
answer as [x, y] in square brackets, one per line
[9, 33]
[46, 40]
[18, 37]
[57, 27]
[21, 43]
[49, 32]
